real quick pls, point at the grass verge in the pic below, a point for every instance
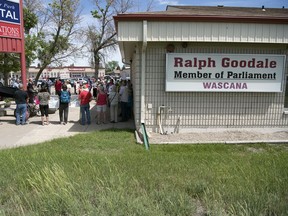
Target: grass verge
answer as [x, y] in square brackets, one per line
[106, 173]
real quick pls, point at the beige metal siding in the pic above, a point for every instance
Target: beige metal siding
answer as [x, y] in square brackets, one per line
[204, 32]
[209, 109]
[130, 31]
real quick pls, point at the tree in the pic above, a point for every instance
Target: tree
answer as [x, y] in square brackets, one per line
[111, 66]
[30, 19]
[31, 41]
[9, 62]
[54, 34]
[102, 35]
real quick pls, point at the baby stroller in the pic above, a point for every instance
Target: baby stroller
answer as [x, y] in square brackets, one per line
[33, 109]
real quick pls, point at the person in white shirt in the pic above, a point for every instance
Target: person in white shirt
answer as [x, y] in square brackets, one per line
[69, 86]
[113, 100]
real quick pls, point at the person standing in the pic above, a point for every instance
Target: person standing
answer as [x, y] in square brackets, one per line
[50, 84]
[89, 84]
[113, 99]
[30, 90]
[75, 87]
[69, 86]
[124, 101]
[85, 97]
[130, 99]
[94, 89]
[58, 87]
[16, 83]
[101, 105]
[21, 99]
[109, 86]
[64, 105]
[44, 98]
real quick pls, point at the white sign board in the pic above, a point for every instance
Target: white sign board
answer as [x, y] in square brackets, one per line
[224, 72]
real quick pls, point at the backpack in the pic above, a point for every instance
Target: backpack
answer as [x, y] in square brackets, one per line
[65, 97]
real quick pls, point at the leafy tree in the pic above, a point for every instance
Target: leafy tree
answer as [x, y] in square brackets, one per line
[111, 65]
[31, 41]
[50, 42]
[30, 20]
[9, 62]
[49, 31]
[102, 35]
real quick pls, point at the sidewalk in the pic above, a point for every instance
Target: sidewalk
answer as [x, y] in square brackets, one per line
[13, 136]
[33, 133]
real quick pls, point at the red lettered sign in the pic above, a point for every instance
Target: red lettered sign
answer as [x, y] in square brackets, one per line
[9, 30]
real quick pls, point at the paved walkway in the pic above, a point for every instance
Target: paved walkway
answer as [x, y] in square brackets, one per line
[33, 133]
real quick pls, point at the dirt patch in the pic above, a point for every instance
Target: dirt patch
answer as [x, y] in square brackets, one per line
[212, 135]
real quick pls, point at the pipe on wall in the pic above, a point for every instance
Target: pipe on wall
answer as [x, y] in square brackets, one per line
[143, 70]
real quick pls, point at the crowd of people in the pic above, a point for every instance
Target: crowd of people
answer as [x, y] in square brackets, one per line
[111, 97]
[117, 98]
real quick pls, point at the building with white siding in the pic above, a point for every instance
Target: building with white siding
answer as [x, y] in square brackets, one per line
[198, 67]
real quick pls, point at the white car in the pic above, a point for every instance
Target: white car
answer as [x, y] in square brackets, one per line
[53, 103]
[83, 80]
[39, 82]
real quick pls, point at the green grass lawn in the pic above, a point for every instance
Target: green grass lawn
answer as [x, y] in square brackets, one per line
[107, 173]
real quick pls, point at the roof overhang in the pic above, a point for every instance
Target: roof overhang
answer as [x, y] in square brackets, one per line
[201, 18]
[202, 14]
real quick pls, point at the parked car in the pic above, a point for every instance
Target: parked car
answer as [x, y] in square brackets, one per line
[6, 91]
[84, 80]
[39, 83]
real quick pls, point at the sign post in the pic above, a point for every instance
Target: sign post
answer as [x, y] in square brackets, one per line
[22, 54]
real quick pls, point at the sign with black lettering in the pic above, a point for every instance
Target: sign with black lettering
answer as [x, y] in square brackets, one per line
[224, 72]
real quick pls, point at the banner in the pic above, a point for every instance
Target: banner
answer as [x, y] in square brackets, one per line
[10, 30]
[224, 72]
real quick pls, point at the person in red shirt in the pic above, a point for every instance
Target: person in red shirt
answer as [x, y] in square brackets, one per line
[85, 97]
[101, 105]
[58, 86]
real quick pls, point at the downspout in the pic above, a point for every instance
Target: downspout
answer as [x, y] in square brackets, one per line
[143, 82]
[143, 67]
